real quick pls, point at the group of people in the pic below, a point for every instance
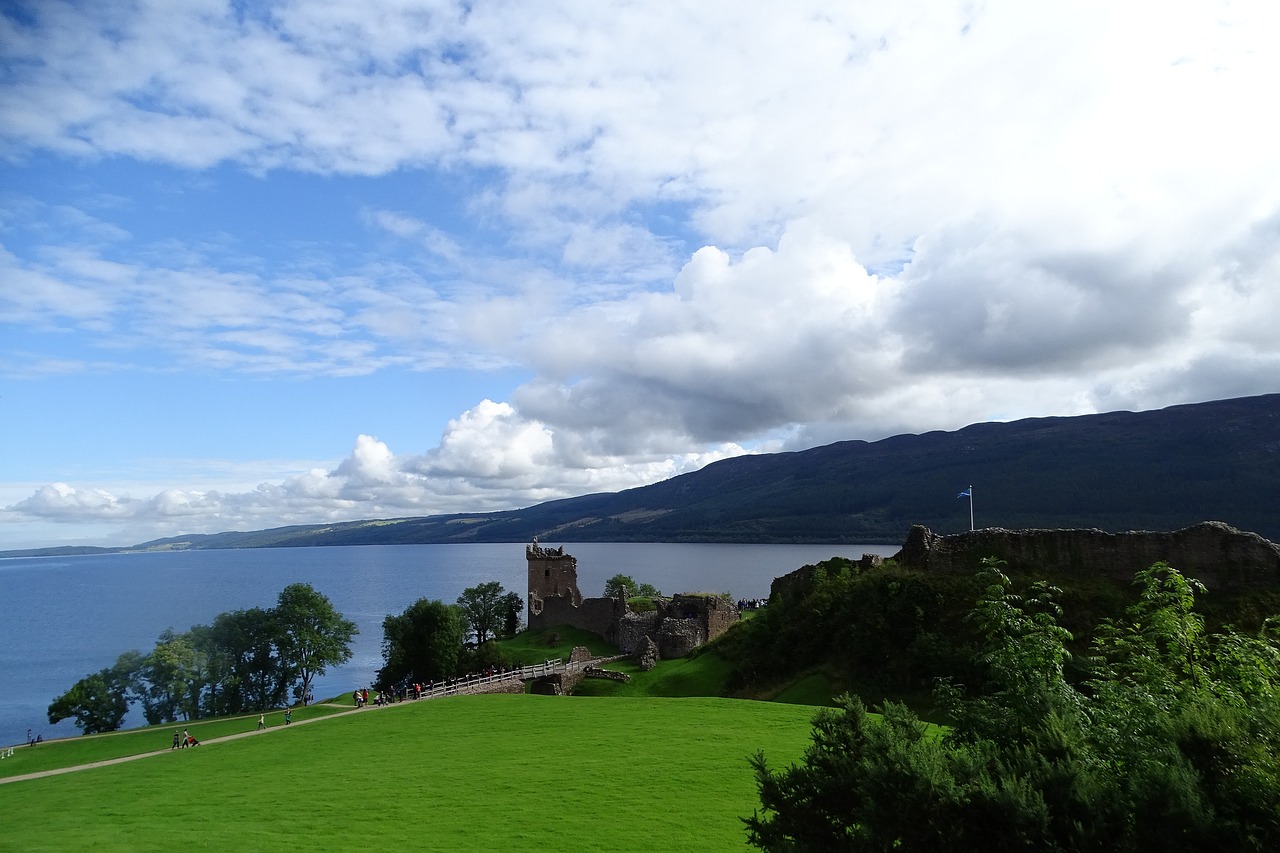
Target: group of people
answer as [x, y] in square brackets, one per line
[752, 603]
[184, 740]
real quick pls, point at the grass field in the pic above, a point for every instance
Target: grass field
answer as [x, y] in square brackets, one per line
[465, 773]
[88, 749]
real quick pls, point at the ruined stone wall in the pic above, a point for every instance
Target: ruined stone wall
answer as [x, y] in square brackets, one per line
[512, 685]
[802, 578]
[634, 627]
[678, 637]
[552, 574]
[678, 626]
[1214, 553]
[557, 683]
[597, 615]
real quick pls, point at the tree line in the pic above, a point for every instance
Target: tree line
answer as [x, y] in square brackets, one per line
[433, 641]
[256, 659]
[1164, 736]
[245, 661]
[429, 641]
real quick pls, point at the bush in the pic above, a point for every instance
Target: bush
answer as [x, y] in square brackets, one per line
[1172, 743]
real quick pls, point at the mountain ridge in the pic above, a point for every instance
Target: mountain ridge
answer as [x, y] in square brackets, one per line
[1161, 469]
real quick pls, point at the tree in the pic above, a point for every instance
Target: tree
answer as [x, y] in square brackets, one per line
[484, 609]
[621, 584]
[422, 644]
[512, 613]
[98, 702]
[1172, 743]
[168, 681]
[252, 677]
[311, 636]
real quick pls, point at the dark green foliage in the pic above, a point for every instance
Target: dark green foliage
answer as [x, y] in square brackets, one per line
[168, 681]
[485, 608]
[98, 702]
[251, 677]
[621, 584]
[247, 660]
[490, 655]
[1173, 743]
[423, 644]
[311, 636]
[886, 627]
[512, 614]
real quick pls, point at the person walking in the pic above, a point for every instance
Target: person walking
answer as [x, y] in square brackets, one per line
[262, 722]
[288, 716]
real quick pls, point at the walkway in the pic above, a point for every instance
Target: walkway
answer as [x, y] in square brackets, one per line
[468, 685]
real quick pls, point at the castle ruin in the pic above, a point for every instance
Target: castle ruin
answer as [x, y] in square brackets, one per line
[677, 625]
[1218, 555]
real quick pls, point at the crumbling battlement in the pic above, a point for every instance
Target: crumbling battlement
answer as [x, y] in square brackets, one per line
[678, 625]
[552, 574]
[1216, 554]
[802, 578]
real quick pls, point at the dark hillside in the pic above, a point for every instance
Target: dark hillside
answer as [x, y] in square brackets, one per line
[1158, 470]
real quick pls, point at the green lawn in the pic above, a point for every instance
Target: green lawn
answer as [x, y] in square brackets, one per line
[532, 647]
[465, 773]
[90, 748]
[703, 675]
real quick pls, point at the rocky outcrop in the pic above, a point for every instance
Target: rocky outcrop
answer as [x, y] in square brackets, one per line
[1216, 554]
[802, 578]
[678, 637]
[647, 654]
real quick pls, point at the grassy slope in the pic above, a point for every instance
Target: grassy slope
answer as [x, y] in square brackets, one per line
[87, 749]
[531, 647]
[469, 773]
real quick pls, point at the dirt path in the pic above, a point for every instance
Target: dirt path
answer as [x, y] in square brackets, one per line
[57, 771]
[557, 666]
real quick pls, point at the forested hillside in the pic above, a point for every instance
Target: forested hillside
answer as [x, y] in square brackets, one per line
[1158, 470]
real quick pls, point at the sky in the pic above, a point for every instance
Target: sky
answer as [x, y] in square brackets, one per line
[270, 263]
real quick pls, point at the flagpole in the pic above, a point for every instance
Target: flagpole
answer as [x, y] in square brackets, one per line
[970, 508]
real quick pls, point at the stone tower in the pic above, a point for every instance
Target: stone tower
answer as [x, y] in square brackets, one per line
[552, 574]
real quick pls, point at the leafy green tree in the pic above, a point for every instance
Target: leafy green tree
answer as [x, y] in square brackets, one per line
[512, 614]
[621, 584]
[422, 644]
[311, 636]
[487, 656]
[168, 681]
[98, 703]
[484, 608]
[1172, 743]
[252, 676]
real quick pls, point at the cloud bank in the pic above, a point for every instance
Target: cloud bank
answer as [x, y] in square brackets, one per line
[704, 230]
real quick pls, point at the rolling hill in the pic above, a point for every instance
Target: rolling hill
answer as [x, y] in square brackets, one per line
[1155, 470]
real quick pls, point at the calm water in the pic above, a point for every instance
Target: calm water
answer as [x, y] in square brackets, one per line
[66, 617]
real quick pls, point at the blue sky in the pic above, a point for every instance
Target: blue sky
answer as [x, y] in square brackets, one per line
[293, 262]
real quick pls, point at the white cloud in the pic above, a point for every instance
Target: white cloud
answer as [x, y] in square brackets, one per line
[489, 459]
[721, 226]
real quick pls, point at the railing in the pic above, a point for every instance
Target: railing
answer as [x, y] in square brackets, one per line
[474, 682]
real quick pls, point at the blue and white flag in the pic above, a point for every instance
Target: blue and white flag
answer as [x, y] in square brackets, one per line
[967, 493]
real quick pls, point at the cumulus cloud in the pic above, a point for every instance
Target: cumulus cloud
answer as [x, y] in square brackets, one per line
[489, 459]
[792, 224]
